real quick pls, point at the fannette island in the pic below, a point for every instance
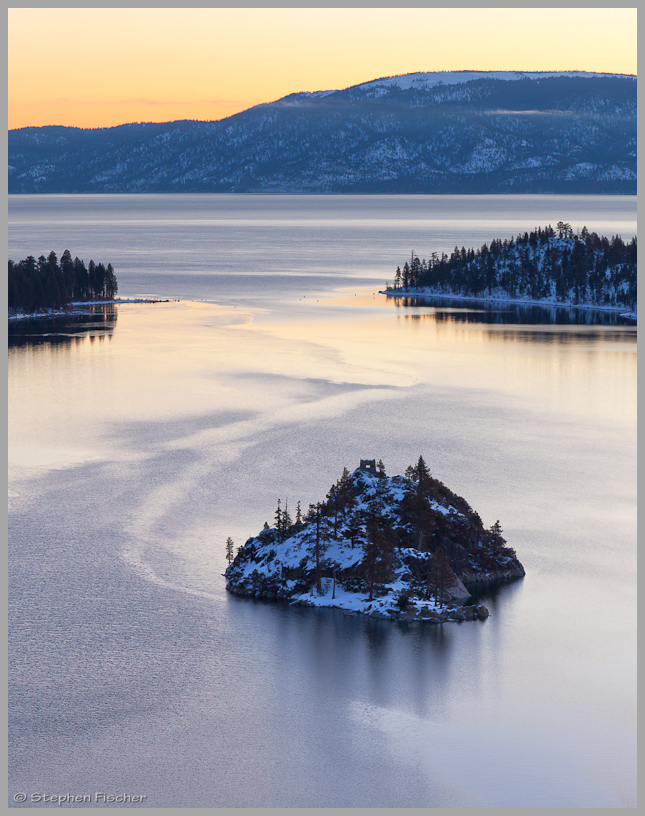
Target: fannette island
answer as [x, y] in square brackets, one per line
[400, 547]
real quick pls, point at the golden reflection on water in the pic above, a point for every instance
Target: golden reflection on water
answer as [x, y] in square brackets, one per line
[591, 369]
[164, 362]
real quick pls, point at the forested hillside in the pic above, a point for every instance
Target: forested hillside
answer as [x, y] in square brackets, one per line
[553, 265]
[461, 132]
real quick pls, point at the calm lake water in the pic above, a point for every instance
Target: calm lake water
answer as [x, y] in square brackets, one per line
[140, 439]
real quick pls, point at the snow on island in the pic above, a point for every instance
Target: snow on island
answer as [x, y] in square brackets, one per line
[401, 547]
[546, 267]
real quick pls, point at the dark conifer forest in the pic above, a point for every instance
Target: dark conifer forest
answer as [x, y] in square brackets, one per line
[45, 283]
[553, 265]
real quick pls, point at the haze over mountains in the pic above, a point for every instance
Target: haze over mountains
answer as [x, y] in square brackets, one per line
[459, 132]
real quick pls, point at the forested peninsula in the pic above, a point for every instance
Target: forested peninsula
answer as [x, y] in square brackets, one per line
[47, 284]
[547, 265]
[401, 547]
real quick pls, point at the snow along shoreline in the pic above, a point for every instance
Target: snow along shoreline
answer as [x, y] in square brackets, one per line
[333, 596]
[81, 307]
[548, 302]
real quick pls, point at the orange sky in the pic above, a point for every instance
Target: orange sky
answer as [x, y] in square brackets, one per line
[101, 67]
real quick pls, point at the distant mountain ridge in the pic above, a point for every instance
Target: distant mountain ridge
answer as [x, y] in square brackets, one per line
[440, 132]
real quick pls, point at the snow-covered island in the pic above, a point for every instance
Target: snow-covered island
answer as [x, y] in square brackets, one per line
[551, 267]
[401, 547]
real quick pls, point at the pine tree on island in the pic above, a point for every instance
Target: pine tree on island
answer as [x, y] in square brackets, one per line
[229, 550]
[278, 520]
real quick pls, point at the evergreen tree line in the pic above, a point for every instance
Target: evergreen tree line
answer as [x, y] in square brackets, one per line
[36, 285]
[556, 264]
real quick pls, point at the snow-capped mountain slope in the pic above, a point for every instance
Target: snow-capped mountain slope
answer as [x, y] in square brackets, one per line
[433, 78]
[465, 132]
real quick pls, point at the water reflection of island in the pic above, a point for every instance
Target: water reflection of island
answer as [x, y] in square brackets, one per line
[96, 321]
[459, 311]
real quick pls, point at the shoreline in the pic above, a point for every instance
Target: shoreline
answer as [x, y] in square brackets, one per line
[621, 310]
[382, 608]
[80, 307]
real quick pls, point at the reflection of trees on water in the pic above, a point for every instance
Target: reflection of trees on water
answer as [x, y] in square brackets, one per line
[457, 311]
[496, 597]
[64, 331]
[531, 334]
